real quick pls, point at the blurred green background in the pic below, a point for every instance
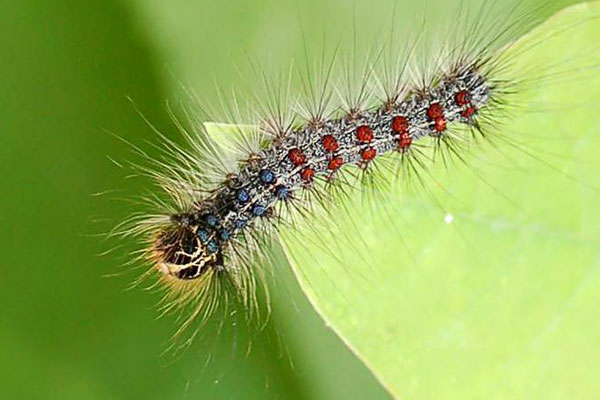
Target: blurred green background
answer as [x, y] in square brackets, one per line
[69, 331]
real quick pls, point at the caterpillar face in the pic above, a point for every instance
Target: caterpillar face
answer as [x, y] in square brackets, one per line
[183, 252]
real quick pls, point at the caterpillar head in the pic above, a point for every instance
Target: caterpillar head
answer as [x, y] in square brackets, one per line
[183, 251]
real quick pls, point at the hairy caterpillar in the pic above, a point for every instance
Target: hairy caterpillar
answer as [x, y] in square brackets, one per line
[207, 243]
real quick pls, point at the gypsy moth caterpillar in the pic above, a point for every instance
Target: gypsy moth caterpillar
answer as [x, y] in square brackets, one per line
[208, 244]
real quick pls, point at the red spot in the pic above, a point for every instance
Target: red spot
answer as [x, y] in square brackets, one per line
[468, 112]
[462, 98]
[296, 156]
[329, 143]
[440, 125]
[405, 141]
[335, 163]
[368, 154]
[400, 124]
[435, 111]
[364, 134]
[307, 174]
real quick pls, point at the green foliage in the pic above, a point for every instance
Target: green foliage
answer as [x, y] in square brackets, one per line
[485, 284]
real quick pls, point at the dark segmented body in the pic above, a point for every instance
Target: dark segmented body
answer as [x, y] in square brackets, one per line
[291, 162]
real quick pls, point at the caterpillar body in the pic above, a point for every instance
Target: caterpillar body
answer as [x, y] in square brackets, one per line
[206, 240]
[201, 238]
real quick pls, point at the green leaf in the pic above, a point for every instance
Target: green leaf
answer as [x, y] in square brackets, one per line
[228, 136]
[485, 284]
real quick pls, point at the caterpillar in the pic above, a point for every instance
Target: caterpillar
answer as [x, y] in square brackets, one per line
[205, 242]
[292, 161]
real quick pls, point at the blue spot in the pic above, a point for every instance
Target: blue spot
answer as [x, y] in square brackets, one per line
[212, 246]
[258, 210]
[225, 234]
[267, 176]
[240, 223]
[242, 196]
[211, 220]
[202, 235]
[282, 193]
